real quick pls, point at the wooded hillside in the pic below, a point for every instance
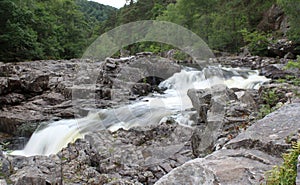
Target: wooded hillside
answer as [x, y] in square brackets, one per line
[55, 29]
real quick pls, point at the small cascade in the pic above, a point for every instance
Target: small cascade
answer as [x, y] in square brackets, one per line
[150, 110]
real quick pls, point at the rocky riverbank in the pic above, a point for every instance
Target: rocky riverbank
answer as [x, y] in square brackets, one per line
[227, 145]
[33, 92]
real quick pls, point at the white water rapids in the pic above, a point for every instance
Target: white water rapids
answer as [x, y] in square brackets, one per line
[51, 138]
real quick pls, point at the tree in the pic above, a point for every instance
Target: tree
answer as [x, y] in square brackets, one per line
[18, 41]
[218, 22]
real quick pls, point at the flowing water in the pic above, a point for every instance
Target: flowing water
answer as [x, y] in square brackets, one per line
[51, 138]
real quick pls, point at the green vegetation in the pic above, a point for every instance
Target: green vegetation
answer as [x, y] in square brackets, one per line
[257, 42]
[93, 10]
[4, 146]
[270, 99]
[223, 25]
[293, 64]
[52, 29]
[218, 22]
[286, 173]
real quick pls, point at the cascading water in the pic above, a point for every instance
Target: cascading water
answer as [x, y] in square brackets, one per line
[150, 110]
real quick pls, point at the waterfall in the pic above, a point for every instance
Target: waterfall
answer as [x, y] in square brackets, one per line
[150, 110]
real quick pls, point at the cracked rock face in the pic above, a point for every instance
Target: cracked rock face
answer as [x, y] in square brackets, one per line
[37, 91]
[223, 167]
[270, 134]
[246, 158]
[123, 157]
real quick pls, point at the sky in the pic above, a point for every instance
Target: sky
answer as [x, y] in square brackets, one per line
[114, 3]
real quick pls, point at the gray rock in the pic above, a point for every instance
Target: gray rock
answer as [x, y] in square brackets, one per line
[34, 170]
[289, 55]
[246, 158]
[251, 62]
[210, 105]
[284, 48]
[245, 97]
[201, 100]
[141, 89]
[3, 85]
[11, 99]
[144, 54]
[270, 134]
[32, 92]
[138, 156]
[274, 72]
[228, 167]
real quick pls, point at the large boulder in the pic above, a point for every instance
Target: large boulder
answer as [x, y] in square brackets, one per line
[275, 71]
[246, 158]
[271, 133]
[201, 100]
[230, 167]
[210, 105]
[284, 48]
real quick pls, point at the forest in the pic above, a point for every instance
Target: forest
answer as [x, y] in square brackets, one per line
[62, 29]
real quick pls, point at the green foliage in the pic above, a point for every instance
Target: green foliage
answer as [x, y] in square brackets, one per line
[292, 80]
[257, 42]
[218, 22]
[95, 10]
[18, 41]
[136, 11]
[286, 173]
[264, 110]
[293, 64]
[270, 100]
[5, 147]
[179, 55]
[52, 29]
[270, 97]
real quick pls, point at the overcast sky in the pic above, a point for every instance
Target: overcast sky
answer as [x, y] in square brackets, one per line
[114, 3]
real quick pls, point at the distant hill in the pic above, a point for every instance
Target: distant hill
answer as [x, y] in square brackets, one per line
[93, 9]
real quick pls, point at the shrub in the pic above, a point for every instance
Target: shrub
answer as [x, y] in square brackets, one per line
[286, 173]
[293, 64]
[270, 103]
[257, 42]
